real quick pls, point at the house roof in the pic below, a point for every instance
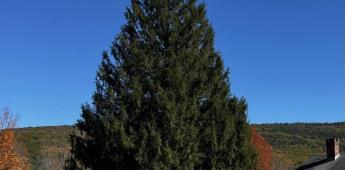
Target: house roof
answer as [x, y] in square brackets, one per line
[323, 163]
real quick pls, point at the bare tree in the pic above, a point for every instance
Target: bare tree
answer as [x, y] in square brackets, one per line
[7, 120]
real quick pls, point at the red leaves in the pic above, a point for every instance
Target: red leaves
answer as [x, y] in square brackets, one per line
[264, 150]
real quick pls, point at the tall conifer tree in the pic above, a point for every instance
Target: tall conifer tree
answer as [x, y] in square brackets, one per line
[162, 99]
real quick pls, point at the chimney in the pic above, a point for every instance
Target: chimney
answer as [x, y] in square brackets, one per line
[332, 146]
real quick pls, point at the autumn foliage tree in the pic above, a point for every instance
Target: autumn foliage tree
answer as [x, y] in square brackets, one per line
[264, 150]
[9, 158]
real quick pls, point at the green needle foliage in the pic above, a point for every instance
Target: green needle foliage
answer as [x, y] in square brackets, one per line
[162, 100]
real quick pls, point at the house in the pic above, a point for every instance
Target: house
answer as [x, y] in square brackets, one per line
[333, 160]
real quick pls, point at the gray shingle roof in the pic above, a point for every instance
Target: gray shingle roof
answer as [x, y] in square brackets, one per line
[322, 163]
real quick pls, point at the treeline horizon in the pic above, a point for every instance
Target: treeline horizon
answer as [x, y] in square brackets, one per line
[252, 124]
[292, 143]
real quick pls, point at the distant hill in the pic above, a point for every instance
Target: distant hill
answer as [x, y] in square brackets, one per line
[292, 143]
[46, 147]
[296, 142]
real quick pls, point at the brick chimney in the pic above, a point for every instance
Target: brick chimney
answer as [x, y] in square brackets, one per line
[333, 148]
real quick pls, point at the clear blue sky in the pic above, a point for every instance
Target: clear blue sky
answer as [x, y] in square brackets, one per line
[286, 56]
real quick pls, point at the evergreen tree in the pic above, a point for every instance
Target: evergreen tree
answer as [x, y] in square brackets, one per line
[162, 99]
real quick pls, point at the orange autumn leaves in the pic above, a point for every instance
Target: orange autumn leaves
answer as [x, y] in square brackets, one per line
[264, 150]
[9, 158]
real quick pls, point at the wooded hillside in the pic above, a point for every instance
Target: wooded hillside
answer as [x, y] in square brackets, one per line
[47, 147]
[296, 142]
[292, 143]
